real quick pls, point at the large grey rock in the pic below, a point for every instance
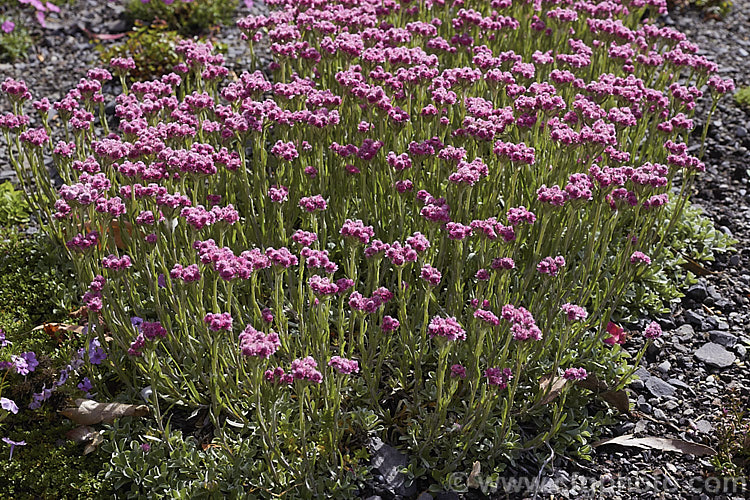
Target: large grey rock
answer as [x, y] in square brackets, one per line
[715, 355]
[388, 461]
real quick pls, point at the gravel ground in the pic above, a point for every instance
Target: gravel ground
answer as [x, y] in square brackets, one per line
[698, 367]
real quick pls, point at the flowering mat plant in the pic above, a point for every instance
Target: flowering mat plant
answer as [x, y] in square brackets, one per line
[418, 225]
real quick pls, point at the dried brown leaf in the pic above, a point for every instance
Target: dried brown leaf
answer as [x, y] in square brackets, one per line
[592, 383]
[476, 470]
[555, 385]
[618, 399]
[81, 434]
[89, 412]
[657, 443]
[96, 441]
[695, 267]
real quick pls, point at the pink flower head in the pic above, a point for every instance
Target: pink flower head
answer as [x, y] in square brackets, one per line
[278, 194]
[267, 315]
[487, 316]
[218, 321]
[389, 324]
[574, 312]
[305, 369]
[498, 377]
[304, 238]
[520, 215]
[652, 331]
[575, 374]
[550, 265]
[523, 325]
[255, 343]
[313, 203]
[503, 263]
[640, 258]
[356, 229]
[344, 366]
[458, 371]
[431, 275]
[447, 328]
[281, 257]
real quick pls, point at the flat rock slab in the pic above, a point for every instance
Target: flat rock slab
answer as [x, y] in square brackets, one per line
[659, 388]
[715, 355]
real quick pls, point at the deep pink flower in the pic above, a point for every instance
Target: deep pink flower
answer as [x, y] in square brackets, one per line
[575, 374]
[498, 377]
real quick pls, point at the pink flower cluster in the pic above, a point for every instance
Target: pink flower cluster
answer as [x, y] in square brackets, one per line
[257, 344]
[446, 328]
[343, 365]
[523, 326]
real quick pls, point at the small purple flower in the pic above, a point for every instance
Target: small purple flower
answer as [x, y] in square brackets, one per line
[3, 342]
[96, 353]
[8, 26]
[575, 374]
[13, 445]
[640, 258]
[85, 385]
[653, 331]
[389, 324]
[498, 377]
[217, 322]
[458, 371]
[574, 312]
[145, 447]
[31, 362]
[343, 365]
[9, 405]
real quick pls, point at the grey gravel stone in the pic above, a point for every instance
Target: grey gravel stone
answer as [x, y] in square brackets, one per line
[741, 351]
[715, 355]
[659, 388]
[704, 426]
[722, 338]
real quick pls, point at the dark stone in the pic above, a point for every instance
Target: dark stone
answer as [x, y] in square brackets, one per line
[693, 318]
[722, 338]
[388, 461]
[697, 292]
[447, 495]
[715, 355]
[642, 405]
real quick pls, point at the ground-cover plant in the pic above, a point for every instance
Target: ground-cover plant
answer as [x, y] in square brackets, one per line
[189, 17]
[694, 240]
[14, 40]
[742, 96]
[424, 224]
[150, 46]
